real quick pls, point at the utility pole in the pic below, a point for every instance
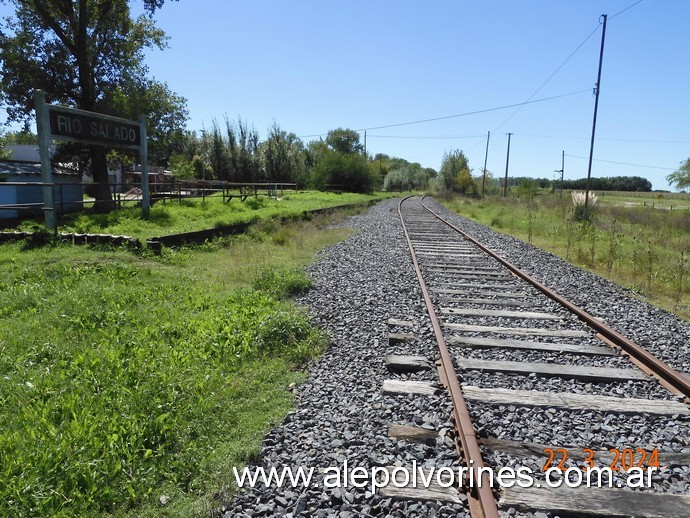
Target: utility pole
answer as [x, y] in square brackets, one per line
[486, 156]
[365, 146]
[596, 107]
[562, 171]
[505, 182]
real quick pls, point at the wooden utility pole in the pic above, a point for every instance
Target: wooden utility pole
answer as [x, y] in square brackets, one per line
[505, 181]
[596, 107]
[561, 170]
[486, 156]
[365, 146]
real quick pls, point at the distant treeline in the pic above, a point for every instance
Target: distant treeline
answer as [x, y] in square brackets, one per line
[609, 183]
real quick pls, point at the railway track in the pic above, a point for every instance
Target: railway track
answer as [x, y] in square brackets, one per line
[537, 383]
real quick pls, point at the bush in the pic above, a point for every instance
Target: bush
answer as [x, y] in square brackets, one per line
[281, 283]
[350, 171]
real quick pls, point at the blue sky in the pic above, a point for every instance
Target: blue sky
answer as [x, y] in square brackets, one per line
[315, 66]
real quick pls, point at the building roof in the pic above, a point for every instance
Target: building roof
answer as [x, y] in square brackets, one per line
[18, 168]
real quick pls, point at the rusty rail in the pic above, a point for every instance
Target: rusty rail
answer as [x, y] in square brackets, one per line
[482, 501]
[659, 368]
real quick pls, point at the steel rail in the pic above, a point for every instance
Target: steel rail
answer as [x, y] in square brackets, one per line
[485, 503]
[656, 365]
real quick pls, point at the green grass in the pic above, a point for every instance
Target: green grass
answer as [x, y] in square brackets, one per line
[174, 217]
[643, 249]
[124, 378]
[657, 200]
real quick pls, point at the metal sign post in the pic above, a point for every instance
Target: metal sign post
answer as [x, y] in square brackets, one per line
[43, 128]
[55, 122]
[144, 154]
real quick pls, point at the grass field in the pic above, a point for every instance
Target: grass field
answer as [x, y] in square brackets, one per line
[126, 378]
[640, 248]
[173, 217]
[669, 201]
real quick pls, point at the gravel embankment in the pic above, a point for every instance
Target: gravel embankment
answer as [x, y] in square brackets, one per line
[342, 415]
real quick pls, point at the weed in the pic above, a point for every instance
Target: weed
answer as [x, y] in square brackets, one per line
[127, 375]
[680, 278]
[281, 282]
[614, 243]
[531, 215]
[627, 229]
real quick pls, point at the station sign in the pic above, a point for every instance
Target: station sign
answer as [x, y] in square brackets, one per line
[93, 128]
[55, 122]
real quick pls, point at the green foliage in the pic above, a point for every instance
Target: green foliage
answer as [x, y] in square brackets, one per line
[232, 154]
[455, 172]
[528, 188]
[4, 154]
[351, 172]
[464, 183]
[23, 136]
[611, 183]
[191, 215]
[41, 49]
[124, 378]
[681, 177]
[406, 177]
[181, 167]
[344, 141]
[166, 113]
[284, 157]
[639, 247]
[281, 283]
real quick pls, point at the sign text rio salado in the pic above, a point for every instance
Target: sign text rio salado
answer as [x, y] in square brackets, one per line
[76, 125]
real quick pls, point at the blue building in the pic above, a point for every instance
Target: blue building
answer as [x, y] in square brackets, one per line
[20, 197]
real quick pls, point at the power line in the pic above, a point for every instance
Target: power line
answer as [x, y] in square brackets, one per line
[629, 7]
[504, 107]
[551, 76]
[428, 137]
[563, 64]
[571, 137]
[623, 163]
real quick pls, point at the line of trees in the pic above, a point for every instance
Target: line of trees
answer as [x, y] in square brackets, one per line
[610, 183]
[235, 152]
[89, 55]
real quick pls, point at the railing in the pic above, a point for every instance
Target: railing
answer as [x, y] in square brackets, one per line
[69, 196]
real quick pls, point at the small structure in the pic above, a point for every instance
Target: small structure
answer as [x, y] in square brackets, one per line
[160, 179]
[21, 192]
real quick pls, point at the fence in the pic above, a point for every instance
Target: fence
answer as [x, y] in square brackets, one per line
[25, 199]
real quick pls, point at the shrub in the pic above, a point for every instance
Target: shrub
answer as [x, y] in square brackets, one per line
[583, 213]
[281, 283]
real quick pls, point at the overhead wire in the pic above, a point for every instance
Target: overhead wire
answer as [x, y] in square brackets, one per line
[622, 163]
[430, 137]
[519, 106]
[621, 12]
[465, 114]
[550, 77]
[572, 137]
[563, 64]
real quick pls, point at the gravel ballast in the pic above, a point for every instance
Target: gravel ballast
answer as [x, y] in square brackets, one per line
[342, 414]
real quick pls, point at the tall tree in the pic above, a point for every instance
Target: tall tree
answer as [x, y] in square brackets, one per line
[681, 177]
[4, 154]
[79, 52]
[284, 156]
[455, 171]
[344, 141]
[166, 114]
